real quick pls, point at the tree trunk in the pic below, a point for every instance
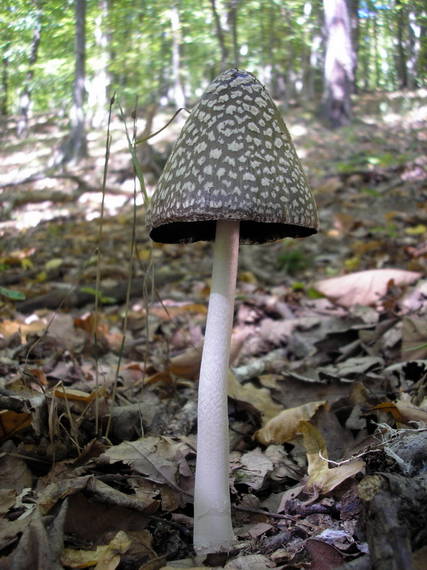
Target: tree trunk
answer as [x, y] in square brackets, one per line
[412, 48]
[225, 18]
[355, 32]
[422, 51]
[177, 87]
[339, 65]
[232, 25]
[4, 91]
[377, 62]
[24, 105]
[98, 96]
[401, 59]
[311, 56]
[75, 147]
[220, 35]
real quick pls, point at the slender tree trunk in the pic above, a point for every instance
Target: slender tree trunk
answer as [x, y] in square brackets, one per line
[4, 90]
[311, 55]
[98, 96]
[339, 65]
[401, 64]
[76, 146]
[412, 48]
[225, 18]
[24, 105]
[220, 34]
[355, 32]
[177, 87]
[232, 25]
[422, 48]
[377, 65]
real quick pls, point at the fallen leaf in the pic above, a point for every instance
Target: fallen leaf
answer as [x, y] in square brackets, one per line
[403, 412]
[110, 557]
[105, 557]
[320, 475]
[77, 395]
[259, 398]
[11, 422]
[187, 364]
[160, 459]
[284, 427]
[324, 556]
[364, 287]
[414, 337]
[255, 468]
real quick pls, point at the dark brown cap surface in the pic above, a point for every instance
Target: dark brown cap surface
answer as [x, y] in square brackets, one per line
[234, 160]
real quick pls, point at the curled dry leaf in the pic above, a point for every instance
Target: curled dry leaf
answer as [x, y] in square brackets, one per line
[259, 398]
[11, 422]
[414, 337]
[403, 412]
[187, 364]
[364, 287]
[284, 426]
[320, 475]
[104, 557]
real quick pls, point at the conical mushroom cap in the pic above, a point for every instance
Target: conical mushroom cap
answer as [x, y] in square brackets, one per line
[234, 160]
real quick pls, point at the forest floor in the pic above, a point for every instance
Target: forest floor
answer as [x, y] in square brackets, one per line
[98, 394]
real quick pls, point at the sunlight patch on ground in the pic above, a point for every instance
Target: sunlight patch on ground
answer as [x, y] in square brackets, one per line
[33, 214]
[113, 204]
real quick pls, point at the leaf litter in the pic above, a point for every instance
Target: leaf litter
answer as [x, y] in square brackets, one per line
[327, 385]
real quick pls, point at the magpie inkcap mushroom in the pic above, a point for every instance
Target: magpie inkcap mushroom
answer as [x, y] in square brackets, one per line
[233, 176]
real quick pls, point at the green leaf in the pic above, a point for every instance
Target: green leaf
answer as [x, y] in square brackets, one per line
[101, 298]
[11, 294]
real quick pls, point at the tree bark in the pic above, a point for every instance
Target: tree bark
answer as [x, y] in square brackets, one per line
[232, 24]
[24, 105]
[394, 513]
[339, 64]
[355, 33]
[225, 18]
[220, 35]
[401, 56]
[75, 147]
[4, 94]
[177, 87]
[98, 96]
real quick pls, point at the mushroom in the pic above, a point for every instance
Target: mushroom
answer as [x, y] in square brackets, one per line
[233, 177]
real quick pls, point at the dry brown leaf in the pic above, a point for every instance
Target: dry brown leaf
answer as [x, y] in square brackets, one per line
[414, 338]
[9, 328]
[411, 413]
[110, 557]
[77, 395]
[259, 398]
[320, 476]
[364, 287]
[105, 557]
[169, 311]
[11, 422]
[284, 426]
[187, 364]
[403, 412]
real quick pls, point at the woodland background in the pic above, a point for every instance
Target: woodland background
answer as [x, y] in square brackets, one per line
[101, 330]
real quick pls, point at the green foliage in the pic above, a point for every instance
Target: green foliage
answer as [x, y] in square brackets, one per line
[12, 294]
[293, 260]
[102, 299]
[275, 40]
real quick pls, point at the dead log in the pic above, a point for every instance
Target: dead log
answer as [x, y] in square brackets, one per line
[83, 295]
[395, 513]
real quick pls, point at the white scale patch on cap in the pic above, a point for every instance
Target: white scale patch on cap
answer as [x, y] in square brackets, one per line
[234, 145]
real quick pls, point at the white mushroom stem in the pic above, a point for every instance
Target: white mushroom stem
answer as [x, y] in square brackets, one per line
[213, 531]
